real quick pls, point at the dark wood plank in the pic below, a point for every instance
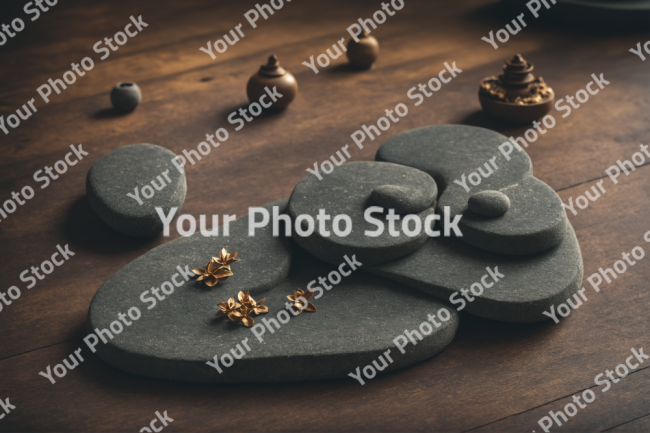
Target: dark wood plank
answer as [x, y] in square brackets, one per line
[603, 414]
[641, 424]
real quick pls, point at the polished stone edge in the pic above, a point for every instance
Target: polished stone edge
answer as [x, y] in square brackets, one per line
[521, 312]
[320, 366]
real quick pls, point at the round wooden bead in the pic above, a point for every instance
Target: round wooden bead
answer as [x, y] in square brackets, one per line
[364, 53]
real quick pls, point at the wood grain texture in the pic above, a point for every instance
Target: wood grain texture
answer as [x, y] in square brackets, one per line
[493, 377]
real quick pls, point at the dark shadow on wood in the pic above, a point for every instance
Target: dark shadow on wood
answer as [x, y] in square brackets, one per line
[86, 231]
[479, 332]
[346, 68]
[482, 120]
[110, 113]
[266, 115]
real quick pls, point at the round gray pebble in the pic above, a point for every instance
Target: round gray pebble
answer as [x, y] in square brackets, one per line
[403, 199]
[126, 96]
[489, 203]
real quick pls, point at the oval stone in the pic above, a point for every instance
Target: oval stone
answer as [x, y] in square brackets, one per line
[489, 203]
[125, 186]
[405, 200]
[347, 190]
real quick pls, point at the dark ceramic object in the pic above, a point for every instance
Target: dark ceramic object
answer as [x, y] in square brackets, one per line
[364, 53]
[126, 96]
[273, 75]
[514, 113]
[517, 81]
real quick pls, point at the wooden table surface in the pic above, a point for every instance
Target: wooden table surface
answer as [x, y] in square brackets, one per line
[493, 377]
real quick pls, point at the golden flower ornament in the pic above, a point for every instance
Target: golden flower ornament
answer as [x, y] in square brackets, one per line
[217, 269]
[250, 303]
[243, 309]
[228, 308]
[539, 91]
[226, 259]
[301, 302]
[213, 273]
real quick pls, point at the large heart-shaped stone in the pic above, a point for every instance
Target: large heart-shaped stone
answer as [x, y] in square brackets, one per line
[356, 322]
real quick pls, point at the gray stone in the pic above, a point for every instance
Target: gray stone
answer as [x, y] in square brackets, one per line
[119, 172]
[536, 248]
[126, 96]
[535, 221]
[347, 190]
[531, 284]
[356, 321]
[489, 203]
[405, 200]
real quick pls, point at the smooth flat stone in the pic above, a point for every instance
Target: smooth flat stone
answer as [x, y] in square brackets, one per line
[489, 203]
[531, 284]
[119, 172]
[347, 190]
[175, 339]
[535, 221]
[406, 200]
